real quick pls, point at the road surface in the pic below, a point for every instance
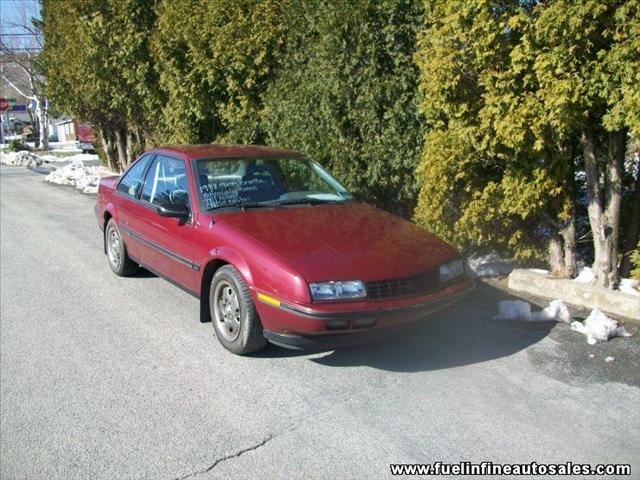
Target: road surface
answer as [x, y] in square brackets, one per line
[104, 377]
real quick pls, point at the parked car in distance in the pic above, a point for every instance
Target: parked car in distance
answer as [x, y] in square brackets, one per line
[76, 131]
[275, 248]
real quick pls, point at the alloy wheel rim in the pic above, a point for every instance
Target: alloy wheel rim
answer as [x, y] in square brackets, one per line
[113, 247]
[227, 313]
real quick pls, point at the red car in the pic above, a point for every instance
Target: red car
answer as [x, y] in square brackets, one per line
[275, 248]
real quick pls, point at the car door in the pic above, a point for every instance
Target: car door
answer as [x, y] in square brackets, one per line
[127, 205]
[169, 241]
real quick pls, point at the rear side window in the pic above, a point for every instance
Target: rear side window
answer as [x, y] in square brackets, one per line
[132, 180]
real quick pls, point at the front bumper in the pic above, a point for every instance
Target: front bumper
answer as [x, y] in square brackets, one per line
[332, 330]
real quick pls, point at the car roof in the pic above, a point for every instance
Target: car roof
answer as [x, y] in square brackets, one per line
[194, 152]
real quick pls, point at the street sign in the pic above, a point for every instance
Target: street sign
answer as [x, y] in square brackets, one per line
[4, 104]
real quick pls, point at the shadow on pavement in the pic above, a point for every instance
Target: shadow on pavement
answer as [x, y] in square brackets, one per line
[144, 273]
[462, 335]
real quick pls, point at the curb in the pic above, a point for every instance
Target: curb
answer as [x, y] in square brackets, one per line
[612, 302]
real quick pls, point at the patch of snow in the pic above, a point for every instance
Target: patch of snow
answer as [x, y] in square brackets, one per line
[65, 150]
[629, 285]
[598, 327]
[76, 174]
[557, 310]
[25, 158]
[591, 355]
[22, 158]
[539, 270]
[521, 310]
[51, 158]
[64, 147]
[609, 359]
[491, 265]
[83, 157]
[585, 275]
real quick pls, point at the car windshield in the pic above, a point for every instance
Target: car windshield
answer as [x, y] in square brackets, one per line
[256, 182]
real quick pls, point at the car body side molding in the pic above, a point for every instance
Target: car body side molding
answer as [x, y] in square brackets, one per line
[158, 248]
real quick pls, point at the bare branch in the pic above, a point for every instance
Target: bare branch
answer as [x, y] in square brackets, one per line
[29, 97]
[18, 59]
[33, 32]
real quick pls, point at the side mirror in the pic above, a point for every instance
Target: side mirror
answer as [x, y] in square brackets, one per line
[179, 211]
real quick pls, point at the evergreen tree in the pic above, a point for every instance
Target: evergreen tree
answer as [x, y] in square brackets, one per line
[345, 94]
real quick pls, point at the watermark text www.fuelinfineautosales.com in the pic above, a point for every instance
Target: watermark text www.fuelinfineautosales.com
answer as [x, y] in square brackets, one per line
[490, 468]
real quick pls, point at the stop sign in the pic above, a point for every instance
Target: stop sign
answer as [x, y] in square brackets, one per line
[4, 104]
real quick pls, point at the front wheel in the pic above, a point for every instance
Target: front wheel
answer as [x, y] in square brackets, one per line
[233, 313]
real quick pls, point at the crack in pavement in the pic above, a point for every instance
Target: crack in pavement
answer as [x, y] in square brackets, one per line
[296, 423]
[228, 457]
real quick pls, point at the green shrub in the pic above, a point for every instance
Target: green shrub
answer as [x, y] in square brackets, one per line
[346, 95]
[16, 145]
[635, 260]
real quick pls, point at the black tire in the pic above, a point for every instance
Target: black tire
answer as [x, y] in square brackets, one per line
[236, 324]
[119, 260]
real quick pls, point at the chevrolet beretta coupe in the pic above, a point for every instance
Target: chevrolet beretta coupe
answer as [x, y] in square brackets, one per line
[273, 246]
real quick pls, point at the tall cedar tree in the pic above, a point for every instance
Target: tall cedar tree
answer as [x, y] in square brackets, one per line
[517, 96]
[346, 94]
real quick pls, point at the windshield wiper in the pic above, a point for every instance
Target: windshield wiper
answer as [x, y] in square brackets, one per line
[309, 201]
[242, 205]
[276, 203]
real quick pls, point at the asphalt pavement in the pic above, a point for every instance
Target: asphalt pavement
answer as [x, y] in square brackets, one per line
[114, 378]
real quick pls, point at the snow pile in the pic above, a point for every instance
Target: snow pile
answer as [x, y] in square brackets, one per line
[51, 158]
[521, 310]
[76, 174]
[491, 265]
[83, 157]
[598, 327]
[629, 285]
[64, 147]
[539, 270]
[25, 158]
[585, 275]
[22, 158]
[556, 310]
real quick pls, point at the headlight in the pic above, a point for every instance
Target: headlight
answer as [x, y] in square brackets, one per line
[337, 290]
[451, 270]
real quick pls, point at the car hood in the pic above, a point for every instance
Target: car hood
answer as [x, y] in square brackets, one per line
[343, 241]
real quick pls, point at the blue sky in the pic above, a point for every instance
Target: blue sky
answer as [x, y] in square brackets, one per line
[13, 11]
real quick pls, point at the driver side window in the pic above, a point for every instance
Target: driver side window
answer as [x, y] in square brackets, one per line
[166, 183]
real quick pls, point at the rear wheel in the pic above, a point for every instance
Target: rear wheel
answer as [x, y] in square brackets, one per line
[119, 261]
[233, 313]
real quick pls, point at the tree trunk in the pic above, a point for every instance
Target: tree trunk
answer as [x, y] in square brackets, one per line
[633, 233]
[568, 233]
[556, 259]
[44, 129]
[594, 207]
[612, 206]
[43, 124]
[131, 147]
[121, 148]
[108, 149]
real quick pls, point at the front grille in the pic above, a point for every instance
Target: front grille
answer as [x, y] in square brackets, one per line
[404, 287]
